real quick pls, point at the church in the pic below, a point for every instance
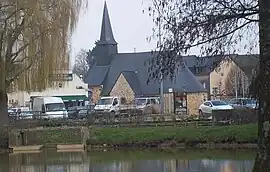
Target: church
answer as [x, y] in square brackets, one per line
[125, 74]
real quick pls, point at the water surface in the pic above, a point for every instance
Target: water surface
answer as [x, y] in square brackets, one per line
[129, 161]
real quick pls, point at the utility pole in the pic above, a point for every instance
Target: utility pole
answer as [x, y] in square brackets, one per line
[161, 80]
[243, 84]
[236, 84]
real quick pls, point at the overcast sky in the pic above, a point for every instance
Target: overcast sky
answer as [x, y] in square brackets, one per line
[130, 26]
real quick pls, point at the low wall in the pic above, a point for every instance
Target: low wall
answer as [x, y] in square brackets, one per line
[43, 136]
[236, 116]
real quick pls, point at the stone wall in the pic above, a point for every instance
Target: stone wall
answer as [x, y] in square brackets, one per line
[122, 89]
[96, 90]
[194, 100]
[46, 136]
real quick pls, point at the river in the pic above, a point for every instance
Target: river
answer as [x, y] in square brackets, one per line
[129, 161]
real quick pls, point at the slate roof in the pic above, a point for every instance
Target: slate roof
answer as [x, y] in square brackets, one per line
[97, 75]
[106, 36]
[247, 63]
[133, 81]
[122, 62]
[202, 65]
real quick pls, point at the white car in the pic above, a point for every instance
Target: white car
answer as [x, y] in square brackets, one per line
[205, 109]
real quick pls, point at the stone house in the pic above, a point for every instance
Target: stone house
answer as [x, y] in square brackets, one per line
[232, 77]
[201, 67]
[125, 74]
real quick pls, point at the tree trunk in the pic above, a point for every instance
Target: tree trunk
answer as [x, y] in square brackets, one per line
[262, 162]
[4, 122]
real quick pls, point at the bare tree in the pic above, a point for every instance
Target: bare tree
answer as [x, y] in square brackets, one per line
[217, 27]
[82, 63]
[236, 82]
[34, 47]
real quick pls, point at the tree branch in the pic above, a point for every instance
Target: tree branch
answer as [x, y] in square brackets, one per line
[16, 75]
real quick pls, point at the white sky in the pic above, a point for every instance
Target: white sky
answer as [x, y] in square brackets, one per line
[130, 26]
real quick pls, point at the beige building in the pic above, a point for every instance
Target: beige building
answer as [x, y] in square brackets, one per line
[233, 75]
[71, 90]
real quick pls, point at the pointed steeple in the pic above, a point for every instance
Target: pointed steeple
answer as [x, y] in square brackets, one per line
[106, 36]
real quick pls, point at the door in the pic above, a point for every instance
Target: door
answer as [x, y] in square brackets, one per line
[207, 108]
[115, 105]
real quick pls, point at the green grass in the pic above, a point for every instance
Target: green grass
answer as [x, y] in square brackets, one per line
[219, 134]
[59, 136]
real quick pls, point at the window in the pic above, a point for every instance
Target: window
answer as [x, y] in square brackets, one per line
[147, 101]
[43, 108]
[60, 85]
[50, 107]
[105, 101]
[206, 103]
[123, 100]
[204, 84]
[153, 101]
[115, 101]
[140, 101]
[218, 103]
[62, 77]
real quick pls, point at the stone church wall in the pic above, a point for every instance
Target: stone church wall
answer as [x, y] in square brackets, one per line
[122, 89]
[194, 100]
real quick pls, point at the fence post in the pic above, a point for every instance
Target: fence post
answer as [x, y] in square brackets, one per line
[213, 118]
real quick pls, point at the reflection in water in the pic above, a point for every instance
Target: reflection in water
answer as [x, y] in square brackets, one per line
[123, 162]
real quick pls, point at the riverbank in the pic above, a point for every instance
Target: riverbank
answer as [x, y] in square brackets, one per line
[234, 136]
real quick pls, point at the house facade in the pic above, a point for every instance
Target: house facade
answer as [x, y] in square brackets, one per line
[201, 67]
[126, 74]
[233, 76]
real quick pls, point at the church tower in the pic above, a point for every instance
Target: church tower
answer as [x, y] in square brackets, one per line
[106, 46]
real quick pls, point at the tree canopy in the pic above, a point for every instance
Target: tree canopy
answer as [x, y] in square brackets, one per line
[216, 26]
[83, 62]
[35, 41]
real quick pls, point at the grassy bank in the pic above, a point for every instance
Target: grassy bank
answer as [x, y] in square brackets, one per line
[156, 136]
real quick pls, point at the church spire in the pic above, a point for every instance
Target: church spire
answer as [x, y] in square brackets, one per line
[106, 36]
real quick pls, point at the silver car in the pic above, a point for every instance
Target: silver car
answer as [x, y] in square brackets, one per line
[243, 103]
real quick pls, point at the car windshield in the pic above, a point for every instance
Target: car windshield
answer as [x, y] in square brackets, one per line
[55, 107]
[105, 101]
[251, 101]
[218, 103]
[140, 101]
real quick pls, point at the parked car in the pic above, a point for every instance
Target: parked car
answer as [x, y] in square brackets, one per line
[114, 105]
[148, 105]
[205, 109]
[83, 113]
[72, 112]
[20, 113]
[243, 103]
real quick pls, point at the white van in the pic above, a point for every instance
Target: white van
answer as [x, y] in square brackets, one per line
[147, 104]
[50, 108]
[113, 104]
